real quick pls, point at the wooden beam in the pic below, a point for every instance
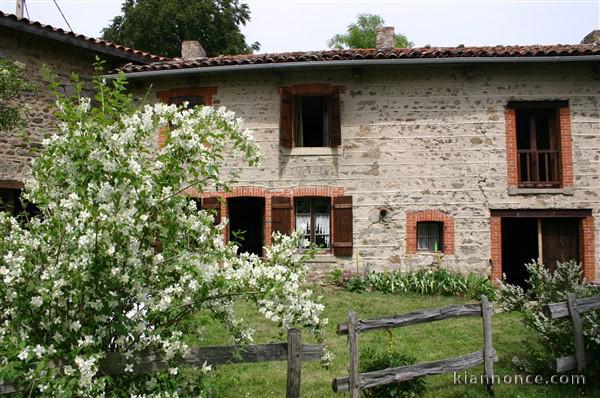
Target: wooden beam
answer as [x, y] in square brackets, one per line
[294, 364]
[405, 373]
[564, 364]
[540, 213]
[488, 349]
[561, 310]
[413, 318]
[354, 381]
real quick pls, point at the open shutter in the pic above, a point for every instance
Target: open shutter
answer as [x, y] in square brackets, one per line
[342, 226]
[213, 203]
[286, 118]
[335, 129]
[281, 214]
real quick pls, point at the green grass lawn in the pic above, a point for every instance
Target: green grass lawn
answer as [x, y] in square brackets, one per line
[426, 342]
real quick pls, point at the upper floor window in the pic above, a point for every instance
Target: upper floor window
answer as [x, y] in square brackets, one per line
[538, 148]
[313, 215]
[310, 116]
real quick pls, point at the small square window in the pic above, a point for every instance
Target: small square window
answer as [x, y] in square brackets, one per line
[429, 236]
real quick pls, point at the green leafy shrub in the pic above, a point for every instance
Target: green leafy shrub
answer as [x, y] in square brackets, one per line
[555, 337]
[372, 359]
[439, 281]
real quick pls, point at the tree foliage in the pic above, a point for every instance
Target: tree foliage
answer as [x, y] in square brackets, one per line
[159, 26]
[12, 86]
[363, 34]
[86, 278]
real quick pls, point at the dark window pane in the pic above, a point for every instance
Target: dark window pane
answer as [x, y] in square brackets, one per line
[193, 100]
[312, 121]
[542, 131]
[523, 133]
[429, 236]
[303, 206]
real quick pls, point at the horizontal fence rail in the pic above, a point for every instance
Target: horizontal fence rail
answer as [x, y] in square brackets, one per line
[405, 373]
[356, 381]
[561, 310]
[153, 361]
[413, 318]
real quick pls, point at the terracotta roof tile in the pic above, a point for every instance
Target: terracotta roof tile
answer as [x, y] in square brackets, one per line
[26, 23]
[372, 53]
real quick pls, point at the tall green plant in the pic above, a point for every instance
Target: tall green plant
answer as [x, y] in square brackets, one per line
[12, 86]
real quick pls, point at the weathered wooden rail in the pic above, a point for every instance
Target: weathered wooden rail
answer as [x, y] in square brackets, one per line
[572, 308]
[356, 381]
[294, 352]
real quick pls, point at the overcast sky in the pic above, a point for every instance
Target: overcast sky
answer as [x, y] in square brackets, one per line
[289, 25]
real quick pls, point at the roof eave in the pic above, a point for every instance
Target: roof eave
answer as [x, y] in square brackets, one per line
[73, 40]
[356, 63]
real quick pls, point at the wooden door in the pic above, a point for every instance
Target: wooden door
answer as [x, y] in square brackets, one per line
[560, 240]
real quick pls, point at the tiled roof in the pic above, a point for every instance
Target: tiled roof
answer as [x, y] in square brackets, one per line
[91, 43]
[372, 53]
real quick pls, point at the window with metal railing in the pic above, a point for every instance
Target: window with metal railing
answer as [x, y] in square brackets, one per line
[538, 148]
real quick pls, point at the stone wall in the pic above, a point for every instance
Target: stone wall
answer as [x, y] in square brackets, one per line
[37, 107]
[416, 139]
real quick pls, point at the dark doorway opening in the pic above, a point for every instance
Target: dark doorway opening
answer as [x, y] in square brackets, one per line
[246, 223]
[549, 239]
[519, 247]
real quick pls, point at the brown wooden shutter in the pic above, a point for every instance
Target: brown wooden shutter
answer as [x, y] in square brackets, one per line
[342, 226]
[213, 203]
[335, 129]
[281, 214]
[286, 119]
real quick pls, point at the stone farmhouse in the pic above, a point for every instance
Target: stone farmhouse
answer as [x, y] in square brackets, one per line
[474, 158]
[477, 158]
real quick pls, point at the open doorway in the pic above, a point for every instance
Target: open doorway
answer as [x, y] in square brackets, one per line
[519, 247]
[549, 239]
[246, 223]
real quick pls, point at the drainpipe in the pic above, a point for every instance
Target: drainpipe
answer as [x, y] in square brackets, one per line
[539, 238]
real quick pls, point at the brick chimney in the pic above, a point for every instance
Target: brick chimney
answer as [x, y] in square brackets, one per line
[386, 37]
[191, 49]
[592, 38]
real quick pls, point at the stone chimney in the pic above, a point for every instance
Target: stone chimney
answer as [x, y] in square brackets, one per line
[386, 37]
[592, 38]
[191, 49]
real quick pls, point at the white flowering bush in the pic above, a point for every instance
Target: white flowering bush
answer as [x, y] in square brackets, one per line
[85, 278]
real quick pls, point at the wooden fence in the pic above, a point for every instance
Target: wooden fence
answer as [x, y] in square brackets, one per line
[572, 308]
[356, 381]
[294, 352]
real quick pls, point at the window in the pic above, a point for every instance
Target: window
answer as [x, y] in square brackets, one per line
[312, 121]
[310, 116]
[313, 215]
[538, 148]
[9, 201]
[429, 236]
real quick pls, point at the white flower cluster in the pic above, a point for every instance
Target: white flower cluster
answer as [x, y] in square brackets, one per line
[120, 260]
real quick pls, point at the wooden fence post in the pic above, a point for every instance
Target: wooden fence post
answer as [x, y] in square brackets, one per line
[488, 349]
[578, 334]
[294, 364]
[354, 355]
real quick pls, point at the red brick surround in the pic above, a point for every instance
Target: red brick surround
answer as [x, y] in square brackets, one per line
[413, 218]
[293, 192]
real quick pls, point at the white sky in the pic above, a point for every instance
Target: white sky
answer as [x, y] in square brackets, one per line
[289, 25]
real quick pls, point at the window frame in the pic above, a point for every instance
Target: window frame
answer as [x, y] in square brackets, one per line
[562, 162]
[534, 156]
[312, 214]
[289, 108]
[439, 225]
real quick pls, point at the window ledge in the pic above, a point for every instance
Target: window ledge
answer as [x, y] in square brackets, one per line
[313, 151]
[568, 191]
